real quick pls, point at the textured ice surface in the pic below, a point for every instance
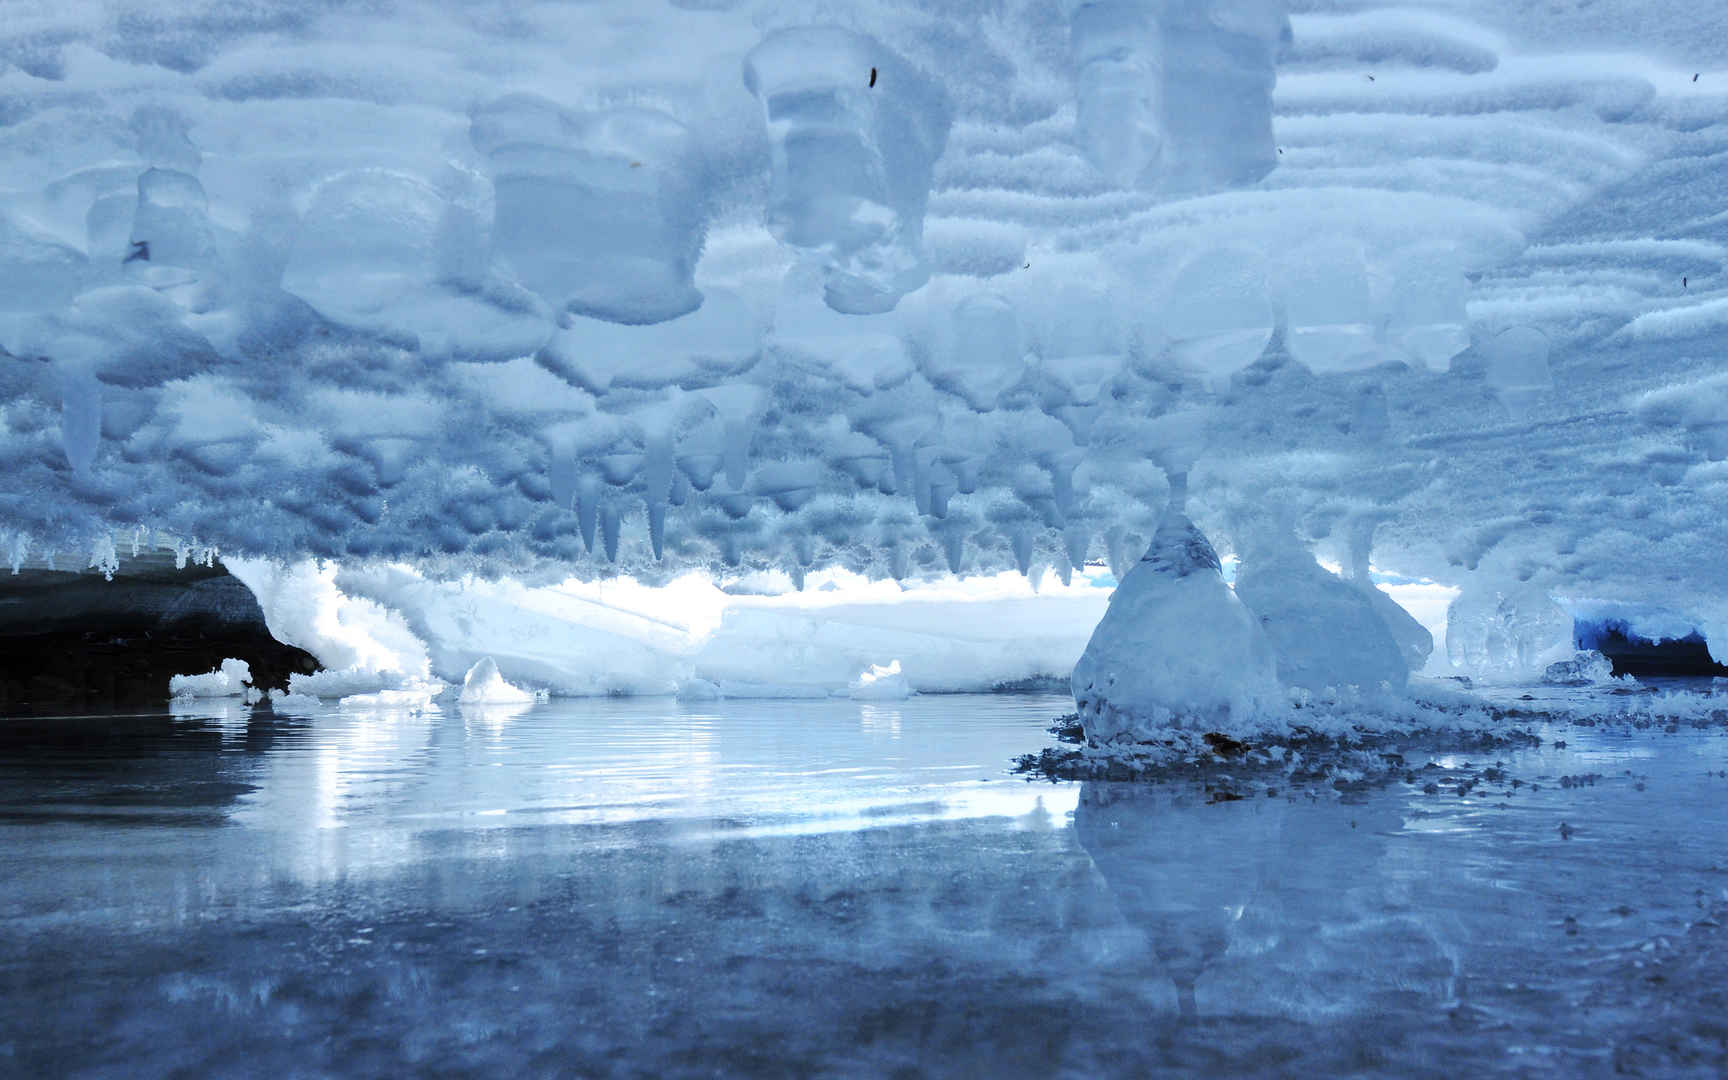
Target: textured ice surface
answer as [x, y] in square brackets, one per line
[896, 288]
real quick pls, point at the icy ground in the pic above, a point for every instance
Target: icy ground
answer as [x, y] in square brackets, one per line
[903, 288]
[793, 888]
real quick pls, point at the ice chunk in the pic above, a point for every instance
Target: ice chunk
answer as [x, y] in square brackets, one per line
[295, 704]
[1583, 669]
[1325, 631]
[856, 132]
[698, 690]
[231, 679]
[483, 685]
[601, 213]
[878, 683]
[1506, 632]
[1175, 649]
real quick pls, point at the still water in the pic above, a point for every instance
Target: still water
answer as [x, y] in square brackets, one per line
[644, 888]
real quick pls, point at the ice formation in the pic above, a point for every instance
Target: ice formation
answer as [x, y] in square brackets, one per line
[232, 679]
[484, 686]
[904, 290]
[1176, 649]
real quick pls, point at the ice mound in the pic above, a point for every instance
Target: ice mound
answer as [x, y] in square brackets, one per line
[232, 679]
[1176, 649]
[1324, 631]
[484, 686]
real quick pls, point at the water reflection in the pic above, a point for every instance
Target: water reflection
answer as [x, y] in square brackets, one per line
[788, 888]
[1277, 903]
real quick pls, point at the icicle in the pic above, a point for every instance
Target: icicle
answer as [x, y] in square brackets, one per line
[20, 551]
[1021, 542]
[1076, 538]
[657, 528]
[587, 508]
[561, 475]
[103, 557]
[80, 418]
[954, 545]
[898, 562]
[609, 531]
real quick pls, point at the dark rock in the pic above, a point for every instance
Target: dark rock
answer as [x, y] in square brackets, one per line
[71, 639]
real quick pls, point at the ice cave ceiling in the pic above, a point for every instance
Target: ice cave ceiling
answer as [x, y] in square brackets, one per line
[907, 287]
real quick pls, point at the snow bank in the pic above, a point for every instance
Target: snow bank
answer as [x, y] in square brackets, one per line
[589, 638]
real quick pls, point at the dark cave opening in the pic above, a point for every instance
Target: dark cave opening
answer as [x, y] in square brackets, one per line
[1632, 654]
[75, 641]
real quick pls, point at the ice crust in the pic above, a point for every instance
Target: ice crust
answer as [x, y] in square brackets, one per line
[898, 290]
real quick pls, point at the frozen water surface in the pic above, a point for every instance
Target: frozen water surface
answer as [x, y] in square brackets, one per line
[817, 888]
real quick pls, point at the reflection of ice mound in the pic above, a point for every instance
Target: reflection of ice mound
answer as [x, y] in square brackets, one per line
[879, 683]
[1325, 632]
[370, 254]
[1175, 649]
[483, 685]
[598, 212]
[232, 679]
[852, 161]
